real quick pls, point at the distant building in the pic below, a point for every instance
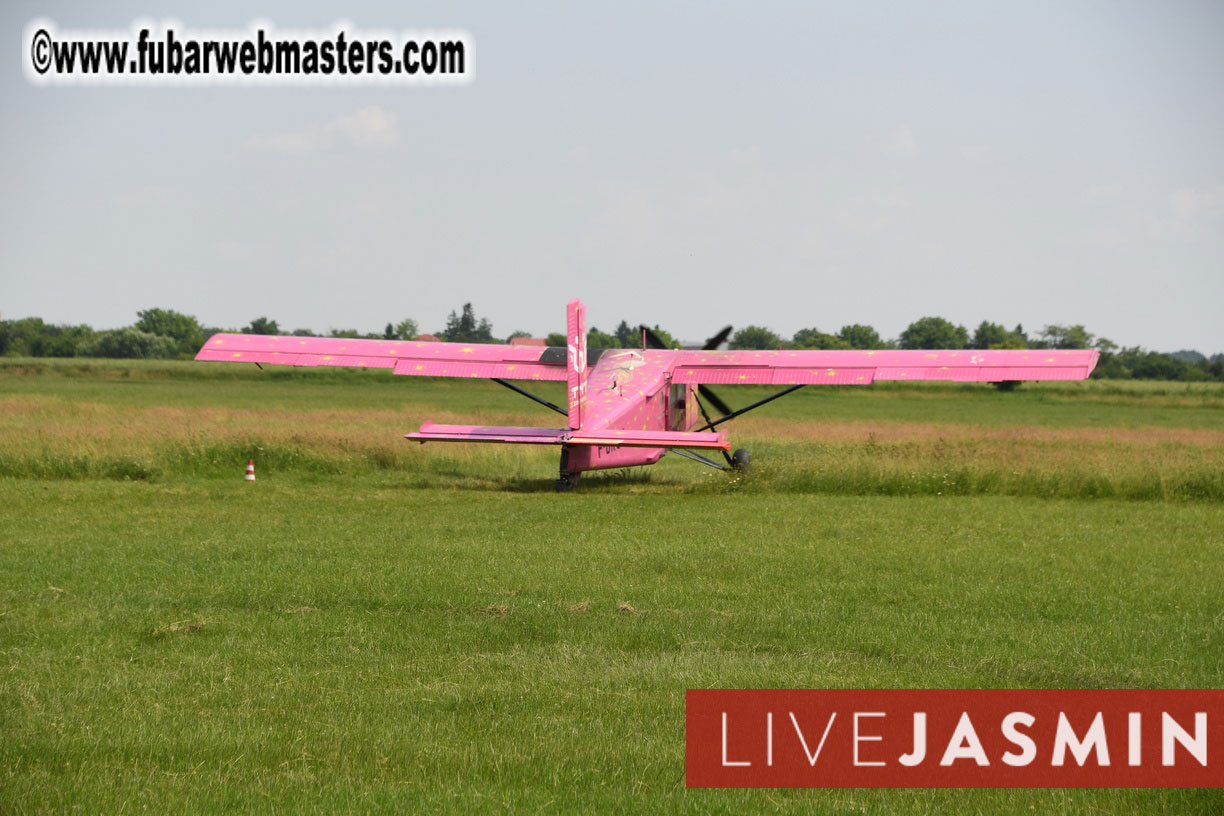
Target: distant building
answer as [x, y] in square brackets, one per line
[527, 341]
[428, 338]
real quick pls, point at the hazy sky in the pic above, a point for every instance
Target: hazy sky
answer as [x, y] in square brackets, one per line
[787, 164]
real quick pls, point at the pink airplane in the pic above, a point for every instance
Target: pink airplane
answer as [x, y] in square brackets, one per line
[629, 407]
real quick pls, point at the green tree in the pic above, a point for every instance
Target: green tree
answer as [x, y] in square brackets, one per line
[128, 344]
[556, 339]
[184, 329]
[466, 328]
[989, 335]
[934, 333]
[261, 325]
[816, 339]
[1151, 365]
[517, 333]
[406, 329]
[755, 337]
[597, 339]
[31, 337]
[1065, 337]
[628, 336]
[859, 336]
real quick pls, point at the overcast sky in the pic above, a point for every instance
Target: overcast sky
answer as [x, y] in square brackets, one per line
[786, 164]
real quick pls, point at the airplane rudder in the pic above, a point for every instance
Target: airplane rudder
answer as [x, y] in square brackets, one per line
[576, 360]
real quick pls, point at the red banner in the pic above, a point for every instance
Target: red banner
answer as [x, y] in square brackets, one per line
[954, 738]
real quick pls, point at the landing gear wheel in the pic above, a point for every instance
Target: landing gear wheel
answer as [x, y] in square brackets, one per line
[741, 460]
[566, 479]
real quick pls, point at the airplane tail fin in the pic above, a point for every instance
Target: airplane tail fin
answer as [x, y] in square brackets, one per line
[576, 361]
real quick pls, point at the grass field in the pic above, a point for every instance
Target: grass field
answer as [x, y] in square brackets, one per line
[376, 625]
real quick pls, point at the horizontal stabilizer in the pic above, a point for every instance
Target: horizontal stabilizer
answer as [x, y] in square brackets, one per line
[650, 439]
[433, 432]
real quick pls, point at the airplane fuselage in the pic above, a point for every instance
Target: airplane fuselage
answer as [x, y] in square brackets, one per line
[631, 390]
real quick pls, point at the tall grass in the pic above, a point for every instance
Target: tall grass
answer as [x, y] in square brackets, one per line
[167, 420]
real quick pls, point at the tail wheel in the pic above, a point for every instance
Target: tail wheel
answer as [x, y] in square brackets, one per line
[741, 460]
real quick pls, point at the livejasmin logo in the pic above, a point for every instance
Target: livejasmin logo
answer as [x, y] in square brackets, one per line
[959, 738]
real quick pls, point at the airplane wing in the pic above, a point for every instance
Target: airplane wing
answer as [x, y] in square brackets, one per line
[425, 359]
[844, 367]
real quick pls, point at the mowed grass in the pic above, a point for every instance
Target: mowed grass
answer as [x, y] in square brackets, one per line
[375, 625]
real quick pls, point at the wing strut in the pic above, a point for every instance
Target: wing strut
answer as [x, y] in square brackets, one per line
[706, 416]
[748, 408]
[530, 395]
[697, 457]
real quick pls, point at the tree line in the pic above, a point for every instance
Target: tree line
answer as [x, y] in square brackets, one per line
[168, 334]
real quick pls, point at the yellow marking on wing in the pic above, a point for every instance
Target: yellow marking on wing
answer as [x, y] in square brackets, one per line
[218, 342]
[237, 353]
[832, 373]
[420, 368]
[301, 342]
[466, 350]
[1050, 360]
[511, 368]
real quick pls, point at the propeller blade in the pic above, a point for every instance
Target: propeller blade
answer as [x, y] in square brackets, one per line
[653, 340]
[717, 340]
[713, 399]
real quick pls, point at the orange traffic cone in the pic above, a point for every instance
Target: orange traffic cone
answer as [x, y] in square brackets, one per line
[250, 475]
